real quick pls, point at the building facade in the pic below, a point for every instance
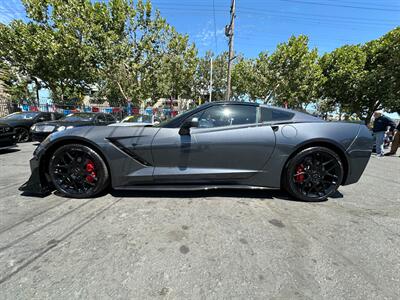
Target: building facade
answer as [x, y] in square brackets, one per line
[4, 101]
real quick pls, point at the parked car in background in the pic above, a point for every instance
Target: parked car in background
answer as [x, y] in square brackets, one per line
[41, 130]
[21, 122]
[138, 120]
[7, 137]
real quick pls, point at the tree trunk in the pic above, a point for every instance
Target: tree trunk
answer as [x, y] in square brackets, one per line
[37, 87]
[62, 93]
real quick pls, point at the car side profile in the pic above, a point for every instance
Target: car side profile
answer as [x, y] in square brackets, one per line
[216, 145]
[21, 122]
[41, 130]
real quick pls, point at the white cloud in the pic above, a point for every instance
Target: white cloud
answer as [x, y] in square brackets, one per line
[206, 36]
[10, 10]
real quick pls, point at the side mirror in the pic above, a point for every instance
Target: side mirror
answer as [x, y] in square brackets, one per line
[185, 128]
[41, 119]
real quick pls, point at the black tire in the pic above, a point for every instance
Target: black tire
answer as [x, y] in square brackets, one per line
[313, 174]
[77, 171]
[22, 135]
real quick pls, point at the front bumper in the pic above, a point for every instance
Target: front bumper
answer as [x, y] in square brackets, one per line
[36, 185]
[7, 140]
[39, 136]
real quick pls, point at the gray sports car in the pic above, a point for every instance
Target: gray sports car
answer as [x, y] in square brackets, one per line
[216, 145]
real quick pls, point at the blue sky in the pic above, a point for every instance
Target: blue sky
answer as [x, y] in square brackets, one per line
[261, 25]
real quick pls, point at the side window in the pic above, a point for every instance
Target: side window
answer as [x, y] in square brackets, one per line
[227, 115]
[101, 119]
[45, 117]
[270, 115]
[110, 119]
[54, 116]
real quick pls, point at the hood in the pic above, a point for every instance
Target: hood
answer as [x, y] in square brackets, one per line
[100, 133]
[15, 123]
[59, 123]
[133, 124]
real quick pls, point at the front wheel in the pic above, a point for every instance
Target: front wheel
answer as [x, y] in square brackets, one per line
[22, 135]
[78, 171]
[313, 174]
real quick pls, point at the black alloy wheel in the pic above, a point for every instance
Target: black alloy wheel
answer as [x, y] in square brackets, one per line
[314, 174]
[22, 135]
[78, 171]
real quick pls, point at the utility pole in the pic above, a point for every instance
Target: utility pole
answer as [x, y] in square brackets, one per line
[229, 30]
[211, 80]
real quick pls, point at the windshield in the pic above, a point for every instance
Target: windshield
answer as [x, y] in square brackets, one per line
[78, 117]
[182, 116]
[22, 116]
[137, 119]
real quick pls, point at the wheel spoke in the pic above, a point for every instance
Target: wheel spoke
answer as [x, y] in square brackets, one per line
[69, 156]
[328, 162]
[331, 175]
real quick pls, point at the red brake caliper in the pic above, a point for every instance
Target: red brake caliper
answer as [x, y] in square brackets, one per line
[299, 177]
[90, 169]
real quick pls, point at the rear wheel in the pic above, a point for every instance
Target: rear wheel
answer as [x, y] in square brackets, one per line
[78, 171]
[313, 174]
[22, 135]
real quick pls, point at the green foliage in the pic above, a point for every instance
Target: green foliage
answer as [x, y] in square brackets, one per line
[126, 51]
[344, 72]
[364, 78]
[243, 78]
[295, 73]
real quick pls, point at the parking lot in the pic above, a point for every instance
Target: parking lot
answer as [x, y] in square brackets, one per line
[200, 245]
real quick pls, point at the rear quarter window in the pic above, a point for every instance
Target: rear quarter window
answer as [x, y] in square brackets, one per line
[272, 115]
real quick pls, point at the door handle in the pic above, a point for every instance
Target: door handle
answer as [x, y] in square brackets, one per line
[275, 127]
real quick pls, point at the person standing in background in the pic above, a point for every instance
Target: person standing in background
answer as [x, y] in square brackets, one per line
[395, 142]
[381, 124]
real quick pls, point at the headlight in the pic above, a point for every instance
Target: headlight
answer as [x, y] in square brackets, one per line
[33, 127]
[61, 128]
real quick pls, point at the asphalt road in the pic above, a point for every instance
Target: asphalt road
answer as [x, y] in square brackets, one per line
[203, 245]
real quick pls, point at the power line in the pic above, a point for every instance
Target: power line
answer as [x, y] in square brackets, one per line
[243, 9]
[341, 5]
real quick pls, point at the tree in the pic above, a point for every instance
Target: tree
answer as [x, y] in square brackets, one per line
[179, 67]
[381, 85]
[344, 72]
[295, 73]
[243, 78]
[220, 71]
[364, 78]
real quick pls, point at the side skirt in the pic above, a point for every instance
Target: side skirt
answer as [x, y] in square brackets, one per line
[189, 187]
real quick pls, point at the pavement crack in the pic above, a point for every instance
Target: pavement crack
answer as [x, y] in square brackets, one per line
[4, 229]
[43, 226]
[51, 244]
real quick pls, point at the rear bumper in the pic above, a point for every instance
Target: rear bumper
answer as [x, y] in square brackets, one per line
[359, 154]
[36, 185]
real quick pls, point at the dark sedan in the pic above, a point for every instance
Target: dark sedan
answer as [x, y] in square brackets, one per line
[21, 122]
[41, 130]
[7, 137]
